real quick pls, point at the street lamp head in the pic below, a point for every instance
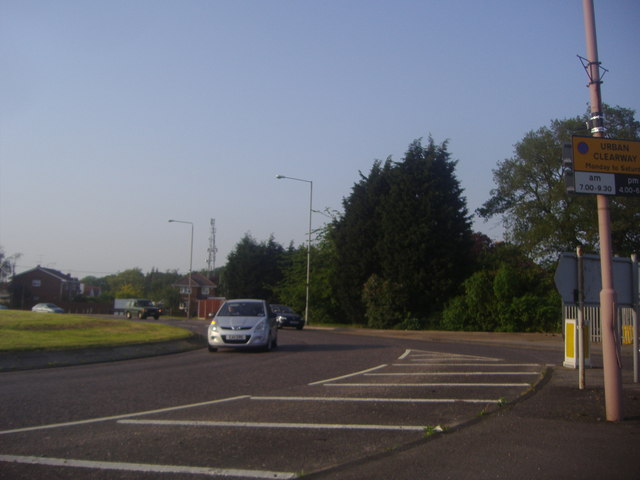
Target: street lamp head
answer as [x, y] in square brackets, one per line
[280, 177]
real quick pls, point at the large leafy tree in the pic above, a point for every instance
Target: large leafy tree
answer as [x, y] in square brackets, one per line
[530, 194]
[127, 284]
[405, 231]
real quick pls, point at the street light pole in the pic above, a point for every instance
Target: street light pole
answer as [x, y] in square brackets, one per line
[190, 266]
[280, 177]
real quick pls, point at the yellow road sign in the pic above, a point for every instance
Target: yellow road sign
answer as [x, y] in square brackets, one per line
[606, 155]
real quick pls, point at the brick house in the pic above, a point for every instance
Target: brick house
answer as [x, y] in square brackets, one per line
[200, 288]
[42, 284]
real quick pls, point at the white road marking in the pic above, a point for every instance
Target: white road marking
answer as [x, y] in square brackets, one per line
[445, 374]
[405, 354]
[119, 417]
[320, 426]
[349, 375]
[413, 358]
[441, 384]
[145, 467]
[432, 364]
[447, 356]
[379, 399]
[438, 359]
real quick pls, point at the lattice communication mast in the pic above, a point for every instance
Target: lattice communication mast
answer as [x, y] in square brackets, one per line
[211, 260]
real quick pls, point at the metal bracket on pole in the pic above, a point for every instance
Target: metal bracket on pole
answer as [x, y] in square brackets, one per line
[596, 123]
[586, 64]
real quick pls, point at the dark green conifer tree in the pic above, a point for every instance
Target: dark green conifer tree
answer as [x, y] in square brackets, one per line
[406, 223]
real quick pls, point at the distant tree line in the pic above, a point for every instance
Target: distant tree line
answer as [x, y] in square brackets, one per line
[132, 283]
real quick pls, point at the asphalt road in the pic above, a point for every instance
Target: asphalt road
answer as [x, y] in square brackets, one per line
[322, 400]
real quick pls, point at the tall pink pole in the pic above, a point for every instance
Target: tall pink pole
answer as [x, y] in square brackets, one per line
[610, 347]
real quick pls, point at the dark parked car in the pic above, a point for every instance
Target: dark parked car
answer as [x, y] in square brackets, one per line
[286, 317]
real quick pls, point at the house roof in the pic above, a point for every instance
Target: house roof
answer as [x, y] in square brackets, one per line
[197, 280]
[63, 277]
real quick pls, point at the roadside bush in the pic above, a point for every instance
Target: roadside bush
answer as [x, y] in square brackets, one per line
[412, 323]
[506, 299]
[384, 303]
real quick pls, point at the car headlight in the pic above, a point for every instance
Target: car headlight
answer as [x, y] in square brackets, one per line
[260, 327]
[213, 326]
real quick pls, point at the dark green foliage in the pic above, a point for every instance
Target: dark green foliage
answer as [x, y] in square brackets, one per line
[509, 293]
[292, 289]
[253, 269]
[406, 230]
[354, 237]
[475, 308]
[385, 302]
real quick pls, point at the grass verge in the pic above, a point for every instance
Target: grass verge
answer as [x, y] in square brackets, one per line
[25, 331]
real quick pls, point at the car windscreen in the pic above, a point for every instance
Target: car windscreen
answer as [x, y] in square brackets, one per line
[281, 309]
[241, 309]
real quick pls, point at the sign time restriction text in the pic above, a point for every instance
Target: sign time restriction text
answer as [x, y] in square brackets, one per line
[605, 166]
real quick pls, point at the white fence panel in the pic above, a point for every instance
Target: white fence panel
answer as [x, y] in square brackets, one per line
[592, 320]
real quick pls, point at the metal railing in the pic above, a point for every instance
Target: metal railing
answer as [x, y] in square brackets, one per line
[624, 321]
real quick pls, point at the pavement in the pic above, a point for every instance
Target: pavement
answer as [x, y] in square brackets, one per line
[555, 431]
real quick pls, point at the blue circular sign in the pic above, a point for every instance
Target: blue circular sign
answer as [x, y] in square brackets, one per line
[583, 147]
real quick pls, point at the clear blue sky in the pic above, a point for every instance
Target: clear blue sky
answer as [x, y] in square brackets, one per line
[119, 115]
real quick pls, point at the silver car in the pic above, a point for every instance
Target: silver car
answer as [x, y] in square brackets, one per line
[47, 308]
[243, 323]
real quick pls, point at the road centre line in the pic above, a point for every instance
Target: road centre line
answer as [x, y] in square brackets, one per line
[145, 468]
[320, 426]
[349, 375]
[120, 417]
[374, 399]
[441, 384]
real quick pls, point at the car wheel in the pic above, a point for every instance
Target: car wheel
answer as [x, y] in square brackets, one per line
[269, 345]
[212, 349]
[156, 317]
[299, 327]
[128, 314]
